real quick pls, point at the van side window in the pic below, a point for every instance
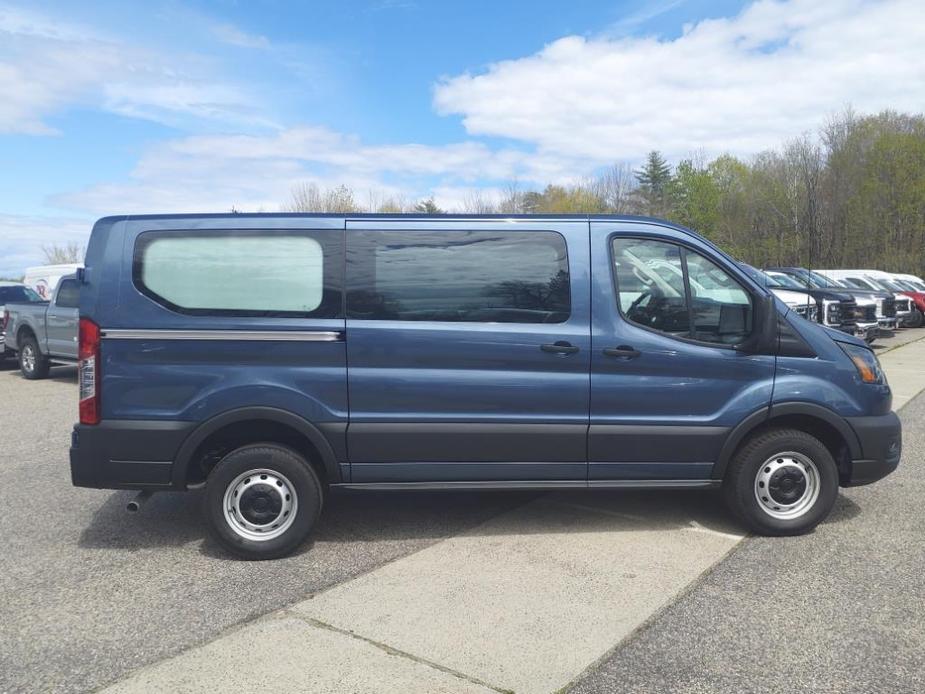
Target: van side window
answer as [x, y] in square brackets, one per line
[458, 276]
[650, 285]
[721, 308]
[242, 272]
[68, 294]
[668, 288]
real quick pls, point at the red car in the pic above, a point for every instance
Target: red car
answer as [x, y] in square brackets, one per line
[918, 299]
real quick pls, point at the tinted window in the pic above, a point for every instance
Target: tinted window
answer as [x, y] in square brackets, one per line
[668, 288]
[18, 293]
[242, 273]
[484, 276]
[68, 294]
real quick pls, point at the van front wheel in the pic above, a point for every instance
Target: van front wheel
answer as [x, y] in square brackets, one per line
[262, 500]
[782, 482]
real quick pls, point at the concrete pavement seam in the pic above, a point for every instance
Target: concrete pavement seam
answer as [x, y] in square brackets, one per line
[318, 624]
[654, 616]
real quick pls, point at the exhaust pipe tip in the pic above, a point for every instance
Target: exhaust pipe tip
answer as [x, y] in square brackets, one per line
[135, 504]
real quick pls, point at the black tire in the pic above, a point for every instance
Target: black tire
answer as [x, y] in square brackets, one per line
[756, 457]
[32, 363]
[271, 459]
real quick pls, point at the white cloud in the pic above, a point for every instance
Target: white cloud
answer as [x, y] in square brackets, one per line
[740, 84]
[47, 65]
[23, 237]
[214, 172]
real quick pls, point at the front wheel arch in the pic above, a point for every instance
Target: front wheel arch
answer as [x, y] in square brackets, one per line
[831, 429]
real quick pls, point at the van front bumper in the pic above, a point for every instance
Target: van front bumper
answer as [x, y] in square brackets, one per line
[126, 454]
[881, 448]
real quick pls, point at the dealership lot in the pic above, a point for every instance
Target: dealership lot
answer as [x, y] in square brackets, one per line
[92, 593]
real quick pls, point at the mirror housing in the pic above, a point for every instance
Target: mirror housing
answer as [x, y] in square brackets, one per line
[763, 339]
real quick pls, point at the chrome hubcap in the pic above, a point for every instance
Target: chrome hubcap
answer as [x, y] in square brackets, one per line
[28, 358]
[787, 485]
[260, 505]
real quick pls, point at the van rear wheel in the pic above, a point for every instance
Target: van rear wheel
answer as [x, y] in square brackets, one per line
[262, 500]
[32, 363]
[782, 482]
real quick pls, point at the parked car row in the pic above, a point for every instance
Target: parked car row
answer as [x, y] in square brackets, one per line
[859, 302]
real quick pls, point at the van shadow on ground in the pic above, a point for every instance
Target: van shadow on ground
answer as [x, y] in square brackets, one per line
[173, 519]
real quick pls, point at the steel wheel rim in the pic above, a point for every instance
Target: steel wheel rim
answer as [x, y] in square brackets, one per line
[260, 505]
[787, 485]
[28, 358]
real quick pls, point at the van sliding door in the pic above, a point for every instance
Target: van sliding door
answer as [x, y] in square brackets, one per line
[468, 350]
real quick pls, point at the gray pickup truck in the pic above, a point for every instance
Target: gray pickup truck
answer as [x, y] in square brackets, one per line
[43, 332]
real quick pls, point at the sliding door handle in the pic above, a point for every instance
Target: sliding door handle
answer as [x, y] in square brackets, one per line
[560, 347]
[623, 351]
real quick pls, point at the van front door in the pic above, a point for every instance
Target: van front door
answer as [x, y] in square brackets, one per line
[468, 351]
[667, 384]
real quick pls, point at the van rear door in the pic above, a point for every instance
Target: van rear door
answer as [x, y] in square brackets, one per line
[468, 350]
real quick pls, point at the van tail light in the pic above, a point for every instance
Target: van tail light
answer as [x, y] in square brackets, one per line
[6, 320]
[88, 369]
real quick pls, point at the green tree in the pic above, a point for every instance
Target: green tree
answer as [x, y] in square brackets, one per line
[654, 181]
[428, 206]
[695, 197]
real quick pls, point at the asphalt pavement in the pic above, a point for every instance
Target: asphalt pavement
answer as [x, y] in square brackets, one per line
[90, 593]
[839, 610]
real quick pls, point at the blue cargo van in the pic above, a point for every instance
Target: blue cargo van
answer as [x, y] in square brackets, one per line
[272, 357]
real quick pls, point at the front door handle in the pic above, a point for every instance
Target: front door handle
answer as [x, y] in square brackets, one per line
[560, 347]
[623, 351]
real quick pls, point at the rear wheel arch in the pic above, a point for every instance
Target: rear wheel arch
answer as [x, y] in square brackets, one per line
[23, 334]
[230, 430]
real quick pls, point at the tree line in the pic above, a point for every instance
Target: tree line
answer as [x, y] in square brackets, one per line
[851, 195]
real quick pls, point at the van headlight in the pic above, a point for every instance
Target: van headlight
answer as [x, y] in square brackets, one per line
[866, 362]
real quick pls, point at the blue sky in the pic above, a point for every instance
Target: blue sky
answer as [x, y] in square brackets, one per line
[121, 107]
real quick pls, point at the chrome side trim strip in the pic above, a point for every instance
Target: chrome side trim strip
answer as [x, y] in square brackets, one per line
[235, 335]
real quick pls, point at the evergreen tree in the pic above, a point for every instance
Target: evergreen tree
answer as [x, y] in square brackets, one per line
[428, 206]
[654, 182]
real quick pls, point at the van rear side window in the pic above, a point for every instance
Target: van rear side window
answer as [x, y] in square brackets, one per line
[458, 276]
[242, 273]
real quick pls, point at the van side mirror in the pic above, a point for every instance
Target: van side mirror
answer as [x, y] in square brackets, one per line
[763, 339]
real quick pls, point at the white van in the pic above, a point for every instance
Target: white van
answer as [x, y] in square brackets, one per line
[44, 278]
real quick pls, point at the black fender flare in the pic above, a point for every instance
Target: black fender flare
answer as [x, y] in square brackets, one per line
[23, 331]
[782, 409]
[245, 414]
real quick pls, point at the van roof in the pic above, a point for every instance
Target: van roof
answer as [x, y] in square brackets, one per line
[354, 216]
[384, 215]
